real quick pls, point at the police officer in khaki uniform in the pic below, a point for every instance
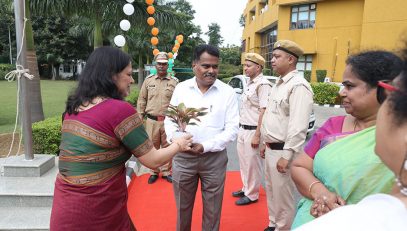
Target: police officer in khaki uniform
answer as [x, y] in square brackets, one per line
[284, 129]
[252, 107]
[153, 101]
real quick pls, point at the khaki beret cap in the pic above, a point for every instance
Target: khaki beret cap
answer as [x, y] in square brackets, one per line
[161, 57]
[256, 58]
[289, 47]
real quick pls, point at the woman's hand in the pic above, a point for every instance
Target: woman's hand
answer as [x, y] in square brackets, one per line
[325, 202]
[184, 142]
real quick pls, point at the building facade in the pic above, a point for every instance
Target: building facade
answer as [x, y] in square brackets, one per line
[328, 30]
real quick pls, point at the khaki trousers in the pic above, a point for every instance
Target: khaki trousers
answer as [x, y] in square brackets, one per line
[280, 190]
[156, 132]
[208, 168]
[251, 164]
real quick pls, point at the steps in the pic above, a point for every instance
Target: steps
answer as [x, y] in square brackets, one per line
[25, 202]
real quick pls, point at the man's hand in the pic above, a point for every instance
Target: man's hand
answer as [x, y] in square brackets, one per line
[255, 141]
[262, 151]
[282, 165]
[196, 149]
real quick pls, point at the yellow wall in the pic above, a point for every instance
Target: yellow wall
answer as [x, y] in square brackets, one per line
[343, 27]
[384, 24]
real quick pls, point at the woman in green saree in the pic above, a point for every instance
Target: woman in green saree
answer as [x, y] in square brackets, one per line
[338, 165]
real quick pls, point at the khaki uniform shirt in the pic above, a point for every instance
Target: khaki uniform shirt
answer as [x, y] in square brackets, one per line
[253, 99]
[155, 95]
[287, 114]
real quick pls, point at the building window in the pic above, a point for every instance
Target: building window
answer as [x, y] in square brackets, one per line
[303, 16]
[67, 68]
[243, 46]
[304, 63]
[268, 39]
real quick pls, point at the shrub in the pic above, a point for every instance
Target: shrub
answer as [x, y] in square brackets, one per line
[307, 75]
[226, 80]
[321, 74]
[325, 93]
[133, 97]
[267, 71]
[47, 135]
[4, 69]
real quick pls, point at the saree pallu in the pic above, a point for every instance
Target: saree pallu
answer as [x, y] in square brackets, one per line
[350, 168]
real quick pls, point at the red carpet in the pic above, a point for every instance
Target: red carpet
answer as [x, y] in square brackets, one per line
[152, 207]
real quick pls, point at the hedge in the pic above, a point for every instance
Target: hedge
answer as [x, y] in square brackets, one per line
[47, 135]
[4, 69]
[132, 98]
[325, 93]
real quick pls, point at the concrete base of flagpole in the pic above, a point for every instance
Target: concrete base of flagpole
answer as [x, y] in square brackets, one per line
[18, 166]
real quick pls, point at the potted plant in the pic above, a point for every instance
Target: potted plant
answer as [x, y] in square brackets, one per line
[183, 116]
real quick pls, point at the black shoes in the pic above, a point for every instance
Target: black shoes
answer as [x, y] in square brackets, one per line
[152, 179]
[239, 193]
[168, 178]
[244, 201]
[270, 228]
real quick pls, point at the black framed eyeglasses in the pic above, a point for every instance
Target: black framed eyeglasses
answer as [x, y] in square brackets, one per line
[383, 87]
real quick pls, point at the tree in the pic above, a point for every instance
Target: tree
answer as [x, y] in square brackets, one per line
[213, 33]
[191, 32]
[56, 44]
[231, 55]
[8, 35]
[104, 15]
[37, 112]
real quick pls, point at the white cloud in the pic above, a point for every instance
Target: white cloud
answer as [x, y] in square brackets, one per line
[224, 12]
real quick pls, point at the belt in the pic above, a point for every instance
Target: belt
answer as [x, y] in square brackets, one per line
[275, 146]
[156, 118]
[248, 127]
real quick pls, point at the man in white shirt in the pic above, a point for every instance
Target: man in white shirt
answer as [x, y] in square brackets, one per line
[208, 159]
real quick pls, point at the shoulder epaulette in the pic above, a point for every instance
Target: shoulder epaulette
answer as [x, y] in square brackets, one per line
[175, 78]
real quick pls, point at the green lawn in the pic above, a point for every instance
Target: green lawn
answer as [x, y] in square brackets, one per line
[54, 95]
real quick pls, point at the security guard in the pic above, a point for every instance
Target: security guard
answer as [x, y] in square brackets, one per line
[284, 129]
[153, 101]
[252, 107]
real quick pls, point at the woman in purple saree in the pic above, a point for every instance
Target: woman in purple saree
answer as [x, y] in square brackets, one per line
[99, 134]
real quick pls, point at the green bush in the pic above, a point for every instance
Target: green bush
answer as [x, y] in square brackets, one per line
[132, 98]
[226, 80]
[321, 74]
[47, 135]
[325, 93]
[4, 69]
[307, 76]
[267, 71]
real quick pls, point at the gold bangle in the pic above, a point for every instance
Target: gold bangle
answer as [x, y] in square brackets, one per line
[312, 184]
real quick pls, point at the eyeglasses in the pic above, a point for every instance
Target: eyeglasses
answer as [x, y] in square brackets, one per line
[382, 87]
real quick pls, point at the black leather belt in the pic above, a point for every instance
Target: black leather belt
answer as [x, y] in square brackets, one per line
[275, 146]
[248, 127]
[156, 118]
